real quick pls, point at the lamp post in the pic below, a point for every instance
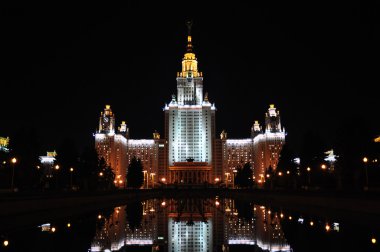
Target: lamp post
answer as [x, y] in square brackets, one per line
[71, 177]
[152, 174]
[13, 161]
[233, 182]
[365, 160]
[227, 177]
[56, 167]
[308, 169]
[145, 180]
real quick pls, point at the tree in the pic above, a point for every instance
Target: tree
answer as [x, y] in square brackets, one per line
[244, 176]
[135, 175]
[25, 147]
[134, 211]
[67, 157]
[88, 168]
[106, 175]
[287, 167]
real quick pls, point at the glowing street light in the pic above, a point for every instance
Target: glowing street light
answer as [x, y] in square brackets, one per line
[323, 166]
[6, 243]
[71, 177]
[365, 160]
[56, 167]
[13, 161]
[101, 174]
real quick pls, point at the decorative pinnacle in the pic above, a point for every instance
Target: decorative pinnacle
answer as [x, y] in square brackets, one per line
[189, 24]
[189, 45]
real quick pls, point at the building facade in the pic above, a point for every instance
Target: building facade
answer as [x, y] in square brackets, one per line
[190, 152]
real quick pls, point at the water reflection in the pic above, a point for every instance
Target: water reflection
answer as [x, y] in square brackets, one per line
[190, 225]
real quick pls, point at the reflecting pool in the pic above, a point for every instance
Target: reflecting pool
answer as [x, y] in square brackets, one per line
[192, 224]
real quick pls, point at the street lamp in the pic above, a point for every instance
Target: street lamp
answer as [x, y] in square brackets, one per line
[234, 171]
[145, 178]
[227, 176]
[323, 166]
[308, 174]
[365, 160]
[13, 161]
[71, 177]
[152, 174]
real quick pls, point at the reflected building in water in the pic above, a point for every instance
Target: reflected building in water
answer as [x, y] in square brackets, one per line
[190, 225]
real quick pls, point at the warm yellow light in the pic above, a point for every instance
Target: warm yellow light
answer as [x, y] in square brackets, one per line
[68, 225]
[217, 179]
[290, 217]
[71, 169]
[6, 243]
[365, 159]
[99, 216]
[373, 240]
[101, 174]
[269, 212]
[56, 167]
[120, 181]
[217, 203]
[163, 179]
[311, 223]
[163, 203]
[287, 172]
[280, 174]
[281, 215]
[14, 160]
[53, 229]
[308, 169]
[327, 227]
[323, 166]
[268, 175]
[38, 167]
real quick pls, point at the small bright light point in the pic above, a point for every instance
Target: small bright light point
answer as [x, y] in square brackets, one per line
[311, 223]
[14, 160]
[99, 216]
[327, 227]
[373, 240]
[53, 229]
[308, 169]
[254, 209]
[163, 203]
[280, 174]
[281, 215]
[269, 212]
[323, 166]
[6, 243]
[68, 225]
[71, 169]
[100, 174]
[287, 172]
[290, 217]
[268, 175]
[365, 159]
[217, 203]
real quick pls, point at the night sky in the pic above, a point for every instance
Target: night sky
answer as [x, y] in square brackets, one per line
[62, 64]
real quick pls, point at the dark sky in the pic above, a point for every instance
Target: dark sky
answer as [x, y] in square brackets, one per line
[61, 64]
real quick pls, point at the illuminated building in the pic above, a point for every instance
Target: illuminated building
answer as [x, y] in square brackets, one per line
[111, 144]
[4, 144]
[261, 150]
[267, 144]
[47, 163]
[190, 125]
[190, 153]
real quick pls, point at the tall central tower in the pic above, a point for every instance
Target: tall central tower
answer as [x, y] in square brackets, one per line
[190, 124]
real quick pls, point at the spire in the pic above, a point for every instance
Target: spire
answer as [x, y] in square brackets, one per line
[189, 44]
